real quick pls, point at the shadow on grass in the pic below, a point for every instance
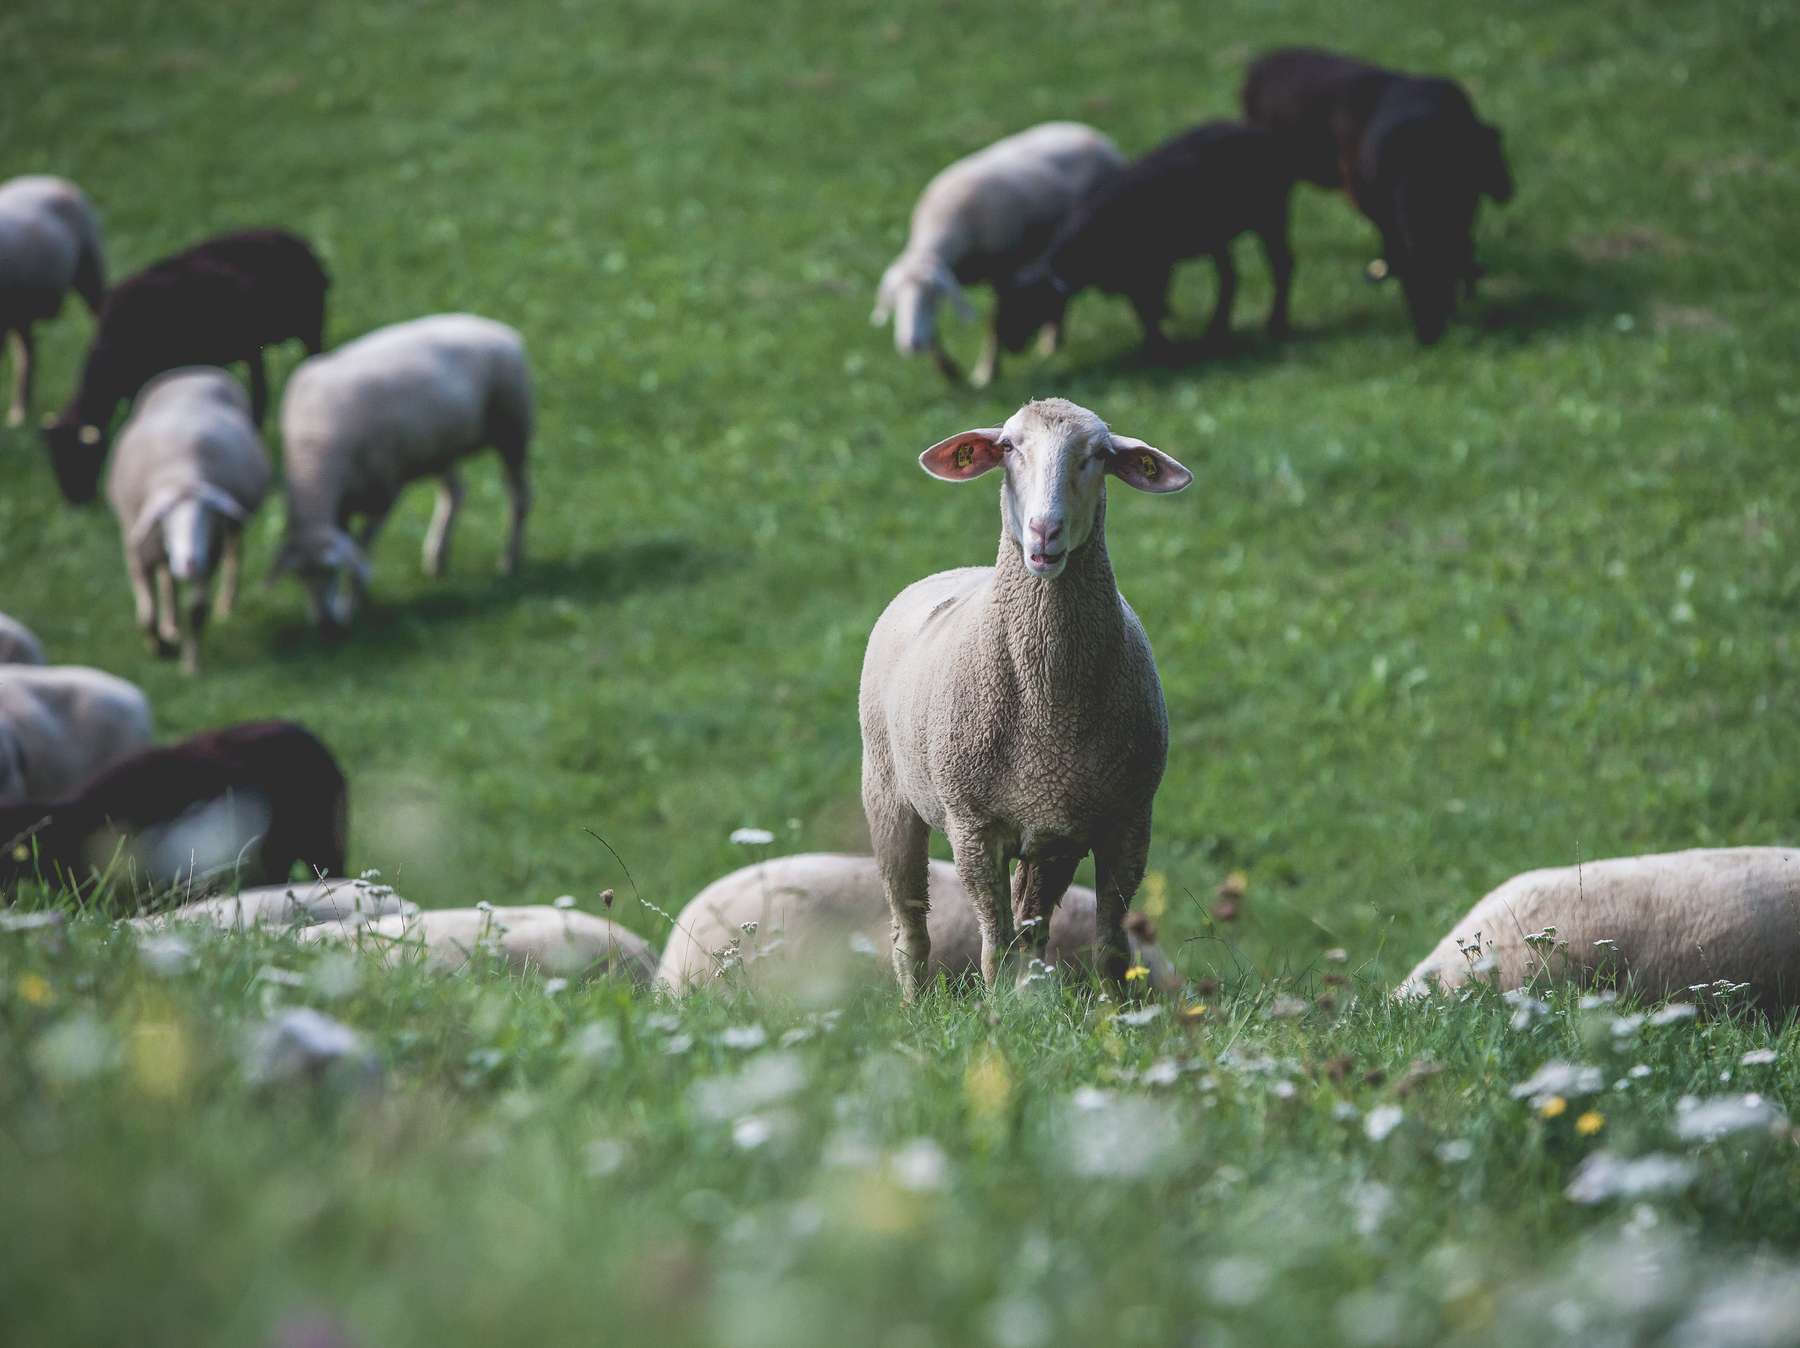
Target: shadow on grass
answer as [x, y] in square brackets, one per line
[400, 628]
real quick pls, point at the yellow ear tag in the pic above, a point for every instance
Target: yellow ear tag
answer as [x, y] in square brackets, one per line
[1149, 467]
[965, 455]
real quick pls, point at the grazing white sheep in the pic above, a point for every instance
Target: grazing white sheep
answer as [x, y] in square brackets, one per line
[404, 402]
[822, 919]
[1666, 923]
[18, 643]
[1016, 708]
[562, 941]
[332, 900]
[979, 221]
[188, 470]
[61, 724]
[49, 245]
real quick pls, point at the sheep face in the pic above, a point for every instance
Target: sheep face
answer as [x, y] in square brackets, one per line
[333, 570]
[909, 293]
[77, 454]
[1055, 457]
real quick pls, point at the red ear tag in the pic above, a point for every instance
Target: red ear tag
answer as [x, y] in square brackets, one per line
[965, 455]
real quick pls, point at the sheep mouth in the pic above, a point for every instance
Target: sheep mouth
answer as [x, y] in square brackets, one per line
[1046, 561]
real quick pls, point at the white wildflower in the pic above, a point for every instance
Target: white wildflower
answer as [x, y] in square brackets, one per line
[166, 955]
[1381, 1121]
[1673, 1013]
[1142, 1016]
[1758, 1057]
[752, 837]
[1708, 1120]
[1603, 1176]
[920, 1165]
[743, 1036]
[1557, 1077]
[1455, 1150]
[750, 1132]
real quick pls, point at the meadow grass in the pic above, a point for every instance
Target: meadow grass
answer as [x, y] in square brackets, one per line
[1425, 619]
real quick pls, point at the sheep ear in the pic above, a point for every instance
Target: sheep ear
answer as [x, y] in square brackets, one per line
[963, 456]
[151, 516]
[1145, 467]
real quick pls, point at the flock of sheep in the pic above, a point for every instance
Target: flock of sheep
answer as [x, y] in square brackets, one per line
[1016, 708]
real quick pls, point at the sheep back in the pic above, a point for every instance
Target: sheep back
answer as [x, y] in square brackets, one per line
[67, 723]
[19, 644]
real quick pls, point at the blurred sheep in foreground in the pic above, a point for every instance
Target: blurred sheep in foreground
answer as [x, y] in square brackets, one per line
[188, 472]
[405, 402]
[49, 245]
[61, 724]
[19, 644]
[303, 903]
[531, 937]
[1666, 924]
[816, 923]
[241, 804]
[979, 221]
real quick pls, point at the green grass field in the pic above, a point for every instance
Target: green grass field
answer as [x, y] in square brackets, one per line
[1425, 619]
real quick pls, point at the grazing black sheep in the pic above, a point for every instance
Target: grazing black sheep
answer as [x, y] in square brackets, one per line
[1408, 150]
[222, 300]
[1190, 196]
[239, 805]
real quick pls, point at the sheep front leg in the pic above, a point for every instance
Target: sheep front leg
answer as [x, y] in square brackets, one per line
[437, 537]
[981, 865]
[168, 627]
[946, 366]
[231, 556]
[195, 625]
[1050, 337]
[989, 361]
[1218, 331]
[22, 352]
[1038, 886]
[1281, 266]
[145, 600]
[518, 492]
[899, 838]
[1119, 859]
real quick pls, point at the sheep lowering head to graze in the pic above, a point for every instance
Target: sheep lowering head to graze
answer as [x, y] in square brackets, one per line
[19, 644]
[221, 301]
[1667, 924]
[1016, 708]
[188, 472]
[1409, 152]
[49, 245]
[817, 925]
[977, 222]
[61, 724]
[227, 807]
[1189, 197]
[404, 402]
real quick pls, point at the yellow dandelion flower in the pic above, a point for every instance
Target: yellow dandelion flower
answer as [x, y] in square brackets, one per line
[1590, 1123]
[1194, 1012]
[1553, 1107]
[34, 990]
[1136, 972]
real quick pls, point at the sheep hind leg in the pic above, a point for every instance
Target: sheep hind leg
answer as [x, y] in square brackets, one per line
[988, 363]
[22, 351]
[981, 865]
[1038, 886]
[437, 537]
[518, 494]
[144, 599]
[899, 840]
[196, 610]
[231, 556]
[1281, 267]
[1119, 860]
[168, 627]
[1218, 330]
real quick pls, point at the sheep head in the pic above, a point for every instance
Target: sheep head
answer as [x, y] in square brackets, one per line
[1055, 456]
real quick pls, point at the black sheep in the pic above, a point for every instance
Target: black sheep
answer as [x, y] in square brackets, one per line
[1188, 197]
[244, 803]
[1408, 150]
[222, 300]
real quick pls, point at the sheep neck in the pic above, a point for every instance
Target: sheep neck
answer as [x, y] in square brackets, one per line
[1062, 635]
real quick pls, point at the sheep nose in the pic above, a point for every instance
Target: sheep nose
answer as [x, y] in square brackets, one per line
[1044, 531]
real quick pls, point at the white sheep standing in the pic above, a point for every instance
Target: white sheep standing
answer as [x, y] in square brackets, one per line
[978, 222]
[817, 920]
[1016, 709]
[404, 402]
[187, 471]
[61, 724]
[1666, 923]
[19, 644]
[49, 245]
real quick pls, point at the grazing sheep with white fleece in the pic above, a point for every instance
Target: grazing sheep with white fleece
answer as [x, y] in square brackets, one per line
[540, 937]
[1665, 923]
[335, 900]
[818, 920]
[978, 222]
[1016, 708]
[19, 644]
[404, 402]
[188, 470]
[61, 724]
[49, 245]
